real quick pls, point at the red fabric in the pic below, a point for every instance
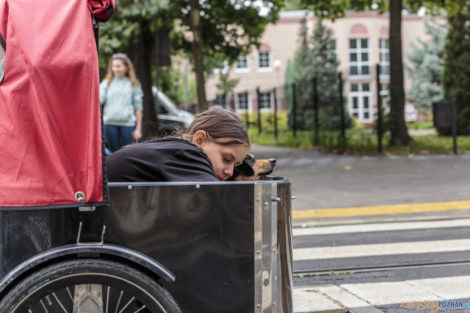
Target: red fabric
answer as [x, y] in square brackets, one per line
[50, 123]
[99, 8]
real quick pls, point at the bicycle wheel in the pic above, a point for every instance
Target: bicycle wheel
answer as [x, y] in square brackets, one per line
[88, 286]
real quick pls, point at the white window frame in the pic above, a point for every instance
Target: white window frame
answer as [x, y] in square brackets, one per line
[242, 69]
[360, 94]
[226, 100]
[359, 63]
[384, 57]
[267, 68]
[271, 101]
[249, 103]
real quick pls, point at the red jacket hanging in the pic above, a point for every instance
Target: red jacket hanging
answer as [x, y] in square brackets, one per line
[50, 123]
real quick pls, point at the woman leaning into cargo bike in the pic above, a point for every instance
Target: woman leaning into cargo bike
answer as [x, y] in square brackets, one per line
[209, 150]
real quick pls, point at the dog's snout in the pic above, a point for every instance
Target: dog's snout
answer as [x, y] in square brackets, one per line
[272, 161]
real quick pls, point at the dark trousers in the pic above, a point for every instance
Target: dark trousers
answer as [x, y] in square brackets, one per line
[118, 136]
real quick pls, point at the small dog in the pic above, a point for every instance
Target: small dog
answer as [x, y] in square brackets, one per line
[253, 169]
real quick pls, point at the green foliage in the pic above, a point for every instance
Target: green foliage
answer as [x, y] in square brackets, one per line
[292, 5]
[457, 69]
[361, 142]
[421, 125]
[226, 85]
[427, 66]
[315, 58]
[172, 82]
[267, 121]
[122, 31]
[333, 9]
[229, 28]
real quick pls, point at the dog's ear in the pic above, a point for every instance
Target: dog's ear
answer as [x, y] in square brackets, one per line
[244, 169]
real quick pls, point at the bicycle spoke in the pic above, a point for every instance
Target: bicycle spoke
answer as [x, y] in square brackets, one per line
[87, 293]
[143, 307]
[119, 302]
[60, 303]
[43, 306]
[127, 304]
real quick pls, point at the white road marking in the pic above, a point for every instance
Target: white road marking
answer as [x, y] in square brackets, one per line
[381, 249]
[363, 228]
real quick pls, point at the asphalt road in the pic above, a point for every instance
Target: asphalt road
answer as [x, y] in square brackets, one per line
[375, 264]
[331, 181]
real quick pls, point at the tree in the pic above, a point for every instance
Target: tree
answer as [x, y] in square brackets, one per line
[324, 67]
[315, 58]
[456, 77]
[335, 9]
[226, 85]
[291, 5]
[132, 29]
[427, 66]
[176, 85]
[230, 28]
[297, 73]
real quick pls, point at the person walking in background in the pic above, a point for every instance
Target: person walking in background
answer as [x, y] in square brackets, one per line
[121, 95]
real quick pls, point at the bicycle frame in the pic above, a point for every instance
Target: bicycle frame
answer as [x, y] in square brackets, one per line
[218, 247]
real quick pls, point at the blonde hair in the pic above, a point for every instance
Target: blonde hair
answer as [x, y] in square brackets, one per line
[127, 63]
[219, 123]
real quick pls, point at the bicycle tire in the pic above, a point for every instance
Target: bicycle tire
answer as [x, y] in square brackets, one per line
[77, 286]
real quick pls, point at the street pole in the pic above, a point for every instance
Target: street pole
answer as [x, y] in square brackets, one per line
[379, 110]
[186, 85]
[341, 107]
[454, 124]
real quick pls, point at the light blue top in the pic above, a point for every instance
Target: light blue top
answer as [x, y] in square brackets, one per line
[120, 100]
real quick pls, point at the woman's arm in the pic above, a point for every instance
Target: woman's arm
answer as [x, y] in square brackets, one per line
[137, 102]
[137, 134]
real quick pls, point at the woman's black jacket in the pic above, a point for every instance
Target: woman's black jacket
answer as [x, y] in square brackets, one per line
[164, 159]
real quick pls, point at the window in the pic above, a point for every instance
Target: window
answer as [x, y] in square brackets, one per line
[264, 60]
[360, 102]
[222, 69]
[265, 100]
[384, 51]
[242, 65]
[243, 101]
[221, 100]
[359, 57]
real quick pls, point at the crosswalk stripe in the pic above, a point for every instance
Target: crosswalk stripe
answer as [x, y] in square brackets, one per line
[362, 228]
[382, 209]
[381, 249]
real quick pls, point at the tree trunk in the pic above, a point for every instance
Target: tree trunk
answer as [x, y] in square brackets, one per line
[144, 73]
[399, 132]
[195, 25]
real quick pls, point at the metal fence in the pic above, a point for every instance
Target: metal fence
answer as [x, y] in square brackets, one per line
[315, 107]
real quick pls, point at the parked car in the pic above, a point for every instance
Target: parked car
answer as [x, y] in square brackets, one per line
[168, 114]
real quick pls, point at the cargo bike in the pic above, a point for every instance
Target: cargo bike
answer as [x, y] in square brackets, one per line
[70, 241]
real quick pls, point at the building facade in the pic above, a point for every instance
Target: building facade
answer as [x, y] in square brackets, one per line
[361, 42]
